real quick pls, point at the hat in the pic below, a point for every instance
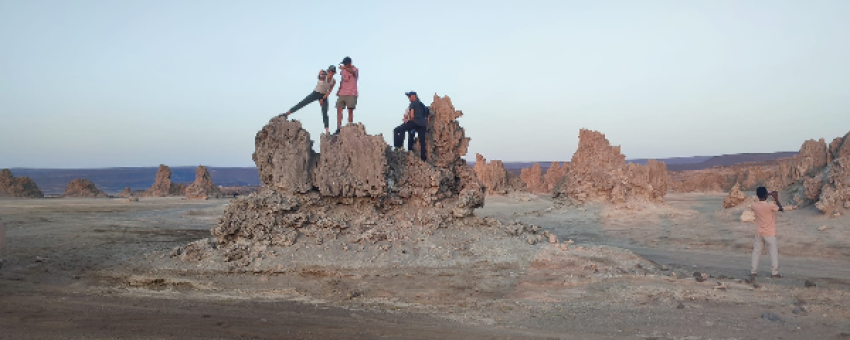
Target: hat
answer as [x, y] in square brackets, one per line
[411, 93]
[346, 61]
[332, 68]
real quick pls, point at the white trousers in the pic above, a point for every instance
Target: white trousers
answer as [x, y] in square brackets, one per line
[772, 249]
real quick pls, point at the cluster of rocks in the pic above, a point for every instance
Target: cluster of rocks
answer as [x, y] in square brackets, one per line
[598, 172]
[537, 182]
[357, 188]
[817, 175]
[11, 186]
[82, 187]
[495, 177]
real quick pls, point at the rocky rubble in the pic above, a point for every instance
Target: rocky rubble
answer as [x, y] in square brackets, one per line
[203, 186]
[598, 173]
[163, 187]
[11, 186]
[82, 187]
[357, 189]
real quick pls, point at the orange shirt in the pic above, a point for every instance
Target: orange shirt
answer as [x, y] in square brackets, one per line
[765, 222]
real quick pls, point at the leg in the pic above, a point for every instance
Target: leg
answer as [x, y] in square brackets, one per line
[340, 104]
[325, 114]
[410, 135]
[756, 253]
[313, 96]
[773, 250]
[421, 130]
[398, 133]
[352, 104]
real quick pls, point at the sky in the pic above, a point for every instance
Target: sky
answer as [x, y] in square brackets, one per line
[141, 83]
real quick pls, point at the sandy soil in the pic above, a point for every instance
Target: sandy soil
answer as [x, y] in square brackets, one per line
[100, 268]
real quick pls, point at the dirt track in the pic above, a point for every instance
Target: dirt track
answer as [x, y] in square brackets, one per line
[76, 269]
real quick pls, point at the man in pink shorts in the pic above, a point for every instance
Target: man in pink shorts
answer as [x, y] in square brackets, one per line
[347, 94]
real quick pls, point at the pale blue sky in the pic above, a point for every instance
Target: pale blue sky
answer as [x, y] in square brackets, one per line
[139, 83]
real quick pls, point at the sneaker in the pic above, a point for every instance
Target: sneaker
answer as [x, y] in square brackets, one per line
[776, 276]
[336, 132]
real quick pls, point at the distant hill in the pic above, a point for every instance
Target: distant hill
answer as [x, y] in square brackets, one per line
[676, 163]
[113, 180]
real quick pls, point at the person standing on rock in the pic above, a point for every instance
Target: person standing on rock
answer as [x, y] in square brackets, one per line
[347, 93]
[323, 90]
[420, 118]
[766, 230]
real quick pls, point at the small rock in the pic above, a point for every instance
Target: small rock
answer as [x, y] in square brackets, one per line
[847, 205]
[822, 228]
[748, 216]
[800, 310]
[770, 316]
[836, 214]
[665, 268]
[809, 284]
[553, 238]
[680, 306]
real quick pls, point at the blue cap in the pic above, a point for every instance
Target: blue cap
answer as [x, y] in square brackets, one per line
[411, 93]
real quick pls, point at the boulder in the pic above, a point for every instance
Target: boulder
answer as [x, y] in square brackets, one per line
[735, 197]
[82, 187]
[11, 186]
[203, 187]
[748, 216]
[284, 156]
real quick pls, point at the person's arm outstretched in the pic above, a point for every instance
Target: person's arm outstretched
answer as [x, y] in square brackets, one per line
[775, 195]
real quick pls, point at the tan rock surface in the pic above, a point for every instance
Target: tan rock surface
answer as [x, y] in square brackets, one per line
[82, 187]
[163, 187]
[598, 173]
[533, 179]
[203, 187]
[11, 186]
[127, 192]
[492, 175]
[554, 175]
[735, 197]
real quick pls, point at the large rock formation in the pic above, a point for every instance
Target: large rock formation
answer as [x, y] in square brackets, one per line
[163, 187]
[203, 186]
[598, 173]
[11, 186]
[82, 187]
[357, 187]
[533, 179]
[492, 175]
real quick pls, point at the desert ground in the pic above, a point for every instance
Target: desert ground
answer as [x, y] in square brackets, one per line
[103, 269]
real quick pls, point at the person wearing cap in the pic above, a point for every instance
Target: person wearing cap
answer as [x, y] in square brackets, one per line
[323, 90]
[418, 120]
[347, 93]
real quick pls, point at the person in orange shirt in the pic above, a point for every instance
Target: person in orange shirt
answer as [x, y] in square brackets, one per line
[766, 229]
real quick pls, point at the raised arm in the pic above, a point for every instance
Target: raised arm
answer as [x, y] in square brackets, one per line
[775, 195]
